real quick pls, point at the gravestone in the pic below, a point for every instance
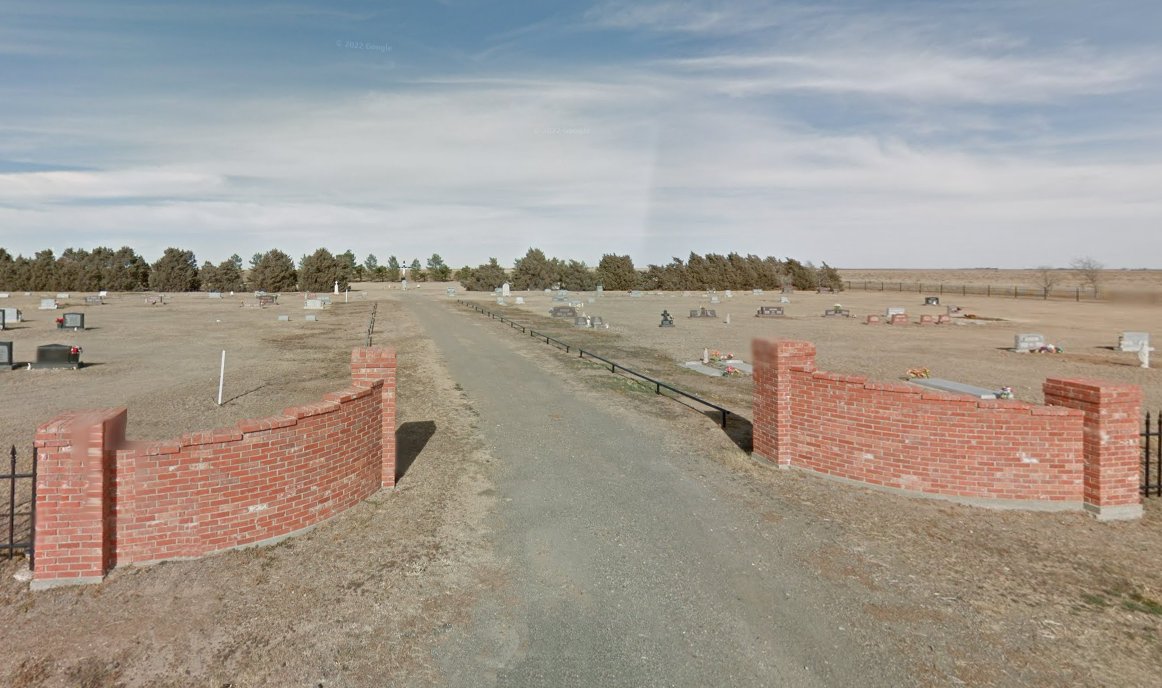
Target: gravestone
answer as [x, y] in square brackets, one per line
[520, 300]
[557, 298]
[703, 313]
[926, 319]
[898, 319]
[548, 291]
[943, 319]
[2, 319]
[635, 294]
[12, 315]
[325, 298]
[1144, 355]
[3, 294]
[954, 311]
[450, 291]
[563, 293]
[1028, 342]
[215, 295]
[784, 299]
[563, 312]
[596, 321]
[728, 294]
[73, 321]
[94, 301]
[713, 299]
[57, 356]
[62, 297]
[102, 293]
[756, 292]
[895, 310]
[667, 319]
[496, 292]
[581, 321]
[311, 317]
[505, 289]
[788, 289]
[600, 290]
[874, 319]
[48, 304]
[500, 301]
[284, 318]
[6, 356]
[837, 313]
[268, 300]
[155, 300]
[824, 290]
[931, 300]
[769, 312]
[1132, 341]
[403, 284]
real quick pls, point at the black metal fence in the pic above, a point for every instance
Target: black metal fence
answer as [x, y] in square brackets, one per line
[1152, 456]
[940, 289]
[613, 367]
[21, 511]
[371, 322]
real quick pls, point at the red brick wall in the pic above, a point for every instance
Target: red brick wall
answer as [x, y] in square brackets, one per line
[102, 501]
[901, 436]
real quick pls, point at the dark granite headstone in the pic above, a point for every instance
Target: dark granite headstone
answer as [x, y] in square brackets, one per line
[57, 356]
[703, 313]
[667, 320]
[2, 316]
[5, 355]
[73, 321]
[769, 312]
[931, 300]
[563, 312]
[837, 313]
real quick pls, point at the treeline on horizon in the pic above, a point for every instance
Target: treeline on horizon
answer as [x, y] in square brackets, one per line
[177, 270]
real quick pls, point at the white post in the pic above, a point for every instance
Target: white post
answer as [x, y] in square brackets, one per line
[347, 296]
[221, 377]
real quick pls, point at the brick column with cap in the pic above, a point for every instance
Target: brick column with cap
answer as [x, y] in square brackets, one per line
[773, 361]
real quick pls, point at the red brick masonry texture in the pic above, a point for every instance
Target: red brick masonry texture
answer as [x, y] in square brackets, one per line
[1081, 449]
[104, 501]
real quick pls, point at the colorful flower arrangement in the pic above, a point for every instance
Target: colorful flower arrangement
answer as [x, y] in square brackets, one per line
[731, 371]
[918, 372]
[719, 356]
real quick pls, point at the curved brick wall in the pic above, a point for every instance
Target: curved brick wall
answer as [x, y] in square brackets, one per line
[902, 436]
[102, 501]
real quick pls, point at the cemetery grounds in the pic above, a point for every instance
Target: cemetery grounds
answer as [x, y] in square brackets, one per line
[992, 597]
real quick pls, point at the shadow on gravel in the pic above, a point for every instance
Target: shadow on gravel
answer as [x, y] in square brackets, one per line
[410, 440]
[738, 429]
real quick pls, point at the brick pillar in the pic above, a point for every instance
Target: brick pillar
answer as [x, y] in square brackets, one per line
[369, 364]
[75, 493]
[773, 360]
[1112, 443]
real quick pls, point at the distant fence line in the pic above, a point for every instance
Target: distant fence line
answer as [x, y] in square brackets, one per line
[940, 289]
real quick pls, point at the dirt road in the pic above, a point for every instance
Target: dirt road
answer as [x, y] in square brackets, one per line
[632, 559]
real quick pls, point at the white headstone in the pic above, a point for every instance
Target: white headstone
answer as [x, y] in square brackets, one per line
[784, 299]
[729, 294]
[1133, 341]
[1028, 342]
[895, 310]
[520, 300]
[311, 317]
[713, 299]
[600, 290]
[313, 304]
[1144, 355]
[102, 293]
[3, 294]
[505, 289]
[12, 315]
[284, 318]
[756, 292]
[48, 304]
[62, 297]
[336, 286]
[728, 318]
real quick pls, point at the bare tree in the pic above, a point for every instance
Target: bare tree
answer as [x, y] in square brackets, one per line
[1047, 278]
[1089, 271]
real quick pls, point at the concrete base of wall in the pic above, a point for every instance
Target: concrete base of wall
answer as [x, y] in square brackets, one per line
[766, 461]
[1129, 512]
[63, 582]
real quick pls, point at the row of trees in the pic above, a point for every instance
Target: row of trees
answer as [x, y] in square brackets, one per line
[618, 273]
[178, 270]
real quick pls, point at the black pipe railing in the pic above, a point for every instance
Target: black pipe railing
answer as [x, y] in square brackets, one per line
[613, 366]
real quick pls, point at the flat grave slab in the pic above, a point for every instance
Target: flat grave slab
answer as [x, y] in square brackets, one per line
[700, 367]
[955, 387]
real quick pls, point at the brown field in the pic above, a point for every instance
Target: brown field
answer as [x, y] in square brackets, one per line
[1116, 285]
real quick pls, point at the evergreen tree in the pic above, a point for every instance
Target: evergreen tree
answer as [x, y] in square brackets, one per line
[393, 270]
[321, 270]
[534, 272]
[416, 272]
[617, 273]
[176, 270]
[485, 277]
[274, 271]
[438, 271]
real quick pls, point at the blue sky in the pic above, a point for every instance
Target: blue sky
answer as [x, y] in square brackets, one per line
[861, 133]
